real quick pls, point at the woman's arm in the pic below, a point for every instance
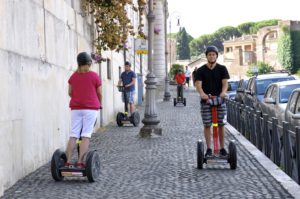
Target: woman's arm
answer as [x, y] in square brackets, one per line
[99, 94]
[70, 90]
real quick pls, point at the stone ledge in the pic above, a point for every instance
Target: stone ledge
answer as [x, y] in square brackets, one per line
[286, 181]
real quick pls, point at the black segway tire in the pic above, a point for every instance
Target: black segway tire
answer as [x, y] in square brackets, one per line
[200, 154]
[58, 160]
[232, 156]
[174, 101]
[184, 101]
[135, 118]
[120, 117]
[92, 166]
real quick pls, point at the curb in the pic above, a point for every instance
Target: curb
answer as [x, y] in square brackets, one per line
[286, 181]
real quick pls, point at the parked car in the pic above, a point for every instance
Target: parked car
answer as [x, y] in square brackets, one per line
[276, 97]
[240, 91]
[257, 86]
[232, 86]
[292, 111]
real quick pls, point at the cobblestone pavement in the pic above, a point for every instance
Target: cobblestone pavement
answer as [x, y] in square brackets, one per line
[159, 167]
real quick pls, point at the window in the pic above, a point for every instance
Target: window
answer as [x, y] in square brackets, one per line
[108, 64]
[269, 92]
[297, 109]
[274, 93]
[293, 102]
[285, 92]
[229, 49]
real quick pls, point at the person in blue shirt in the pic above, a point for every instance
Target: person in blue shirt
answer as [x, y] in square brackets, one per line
[127, 79]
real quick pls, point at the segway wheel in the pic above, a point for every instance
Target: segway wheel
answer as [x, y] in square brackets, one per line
[135, 119]
[174, 101]
[200, 154]
[184, 101]
[120, 117]
[92, 166]
[232, 158]
[58, 160]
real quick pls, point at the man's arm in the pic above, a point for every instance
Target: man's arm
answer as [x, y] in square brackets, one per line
[120, 82]
[131, 83]
[199, 89]
[224, 87]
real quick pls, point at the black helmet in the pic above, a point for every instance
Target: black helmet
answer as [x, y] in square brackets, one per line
[211, 49]
[127, 63]
[84, 58]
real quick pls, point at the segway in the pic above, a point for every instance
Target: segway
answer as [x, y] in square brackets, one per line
[123, 117]
[91, 171]
[216, 158]
[180, 99]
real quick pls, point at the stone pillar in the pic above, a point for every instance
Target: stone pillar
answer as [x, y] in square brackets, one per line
[159, 43]
[167, 94]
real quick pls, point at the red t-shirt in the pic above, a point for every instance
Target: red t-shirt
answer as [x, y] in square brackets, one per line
[84, 90]
[180, 78]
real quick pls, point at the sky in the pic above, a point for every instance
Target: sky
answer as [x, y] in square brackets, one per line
[206, 16]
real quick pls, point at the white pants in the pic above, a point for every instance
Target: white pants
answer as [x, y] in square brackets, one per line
[83, 122]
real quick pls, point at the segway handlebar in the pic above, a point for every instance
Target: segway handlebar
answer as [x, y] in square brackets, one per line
[215, 100]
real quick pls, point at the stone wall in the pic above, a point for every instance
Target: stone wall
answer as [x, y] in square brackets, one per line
[39, 42]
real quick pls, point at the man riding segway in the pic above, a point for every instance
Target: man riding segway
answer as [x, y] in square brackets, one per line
[180, 80]
[126, 85]
[211, 84]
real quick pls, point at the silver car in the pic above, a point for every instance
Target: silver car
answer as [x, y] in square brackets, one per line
[257, 86]
[276, 98]
[292, 112]
[240, 91]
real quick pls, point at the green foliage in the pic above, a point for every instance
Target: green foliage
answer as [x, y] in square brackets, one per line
[298, 73]
[261, 24]
[263, 68]
[296, 51]
[172, 35]
[112, 22]
[285, 51]
[224, 34]
[199, 44]
[174, 69]
[183, 50]
[245, 27]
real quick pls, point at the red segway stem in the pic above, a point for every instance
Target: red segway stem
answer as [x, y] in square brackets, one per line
[215, 128]
[214, 113]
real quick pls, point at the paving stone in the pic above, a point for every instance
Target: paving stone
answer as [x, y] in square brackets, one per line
[160, 167]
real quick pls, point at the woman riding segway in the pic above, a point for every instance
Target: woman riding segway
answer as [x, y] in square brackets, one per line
[85, 93]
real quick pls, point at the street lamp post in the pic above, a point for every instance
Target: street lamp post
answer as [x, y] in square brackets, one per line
[150, 120]
[167, 94]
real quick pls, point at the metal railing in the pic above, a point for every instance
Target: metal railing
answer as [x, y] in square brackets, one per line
[279, 143]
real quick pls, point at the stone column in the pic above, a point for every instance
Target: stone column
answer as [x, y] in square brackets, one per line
[159, 43]
[167, 94]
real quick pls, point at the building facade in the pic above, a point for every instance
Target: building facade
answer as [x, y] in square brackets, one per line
[240, 53]
[39, 42]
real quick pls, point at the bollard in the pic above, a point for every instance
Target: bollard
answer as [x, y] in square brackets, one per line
[266, 136]
[238, 117]
[275, 142]
[259, 131]
[253, 131]
[286, 149]
[243, 120]
[298, 152]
